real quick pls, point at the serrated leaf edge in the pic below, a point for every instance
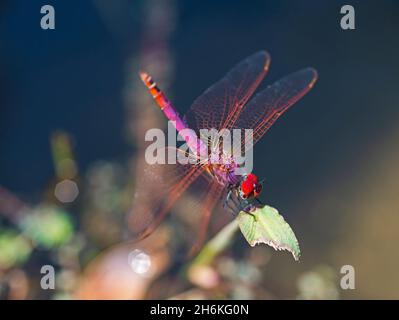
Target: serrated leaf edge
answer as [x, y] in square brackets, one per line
[275, 246]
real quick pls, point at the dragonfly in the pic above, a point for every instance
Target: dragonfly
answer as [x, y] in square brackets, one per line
[225, 105]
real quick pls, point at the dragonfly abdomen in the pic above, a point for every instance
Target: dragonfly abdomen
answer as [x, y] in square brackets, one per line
[196, 145]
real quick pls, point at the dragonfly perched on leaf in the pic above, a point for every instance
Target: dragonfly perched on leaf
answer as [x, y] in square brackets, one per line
[224, 106]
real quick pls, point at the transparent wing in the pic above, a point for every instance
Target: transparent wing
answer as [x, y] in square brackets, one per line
[157, 189]
[213, 196]
[220, 105]
[267, 106]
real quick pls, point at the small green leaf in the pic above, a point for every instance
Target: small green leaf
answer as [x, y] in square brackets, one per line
[266, 225]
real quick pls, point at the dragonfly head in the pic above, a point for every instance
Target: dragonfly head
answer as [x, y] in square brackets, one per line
[250, 186]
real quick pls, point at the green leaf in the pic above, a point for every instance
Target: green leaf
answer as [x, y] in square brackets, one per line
[266, 225]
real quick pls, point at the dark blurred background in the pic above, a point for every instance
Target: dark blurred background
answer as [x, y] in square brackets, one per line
[331, 163]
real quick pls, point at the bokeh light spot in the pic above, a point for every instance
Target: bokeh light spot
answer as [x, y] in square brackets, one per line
[139, 261]
[66, 191]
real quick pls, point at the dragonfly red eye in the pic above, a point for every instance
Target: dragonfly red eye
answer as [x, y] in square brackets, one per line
[247, 188]
[252, 177]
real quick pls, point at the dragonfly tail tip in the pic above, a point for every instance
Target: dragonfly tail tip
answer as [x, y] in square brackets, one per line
[143, 75]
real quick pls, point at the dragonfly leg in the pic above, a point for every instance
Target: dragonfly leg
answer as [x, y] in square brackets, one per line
[233, 210]
[232, 202]
[228, 197]
[229, 200]
[248, 208]
[238, 204]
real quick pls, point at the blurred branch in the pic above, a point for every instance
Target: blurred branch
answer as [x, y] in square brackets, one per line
[216, 245]
[64, 162]
[199, 271]
[11, 206]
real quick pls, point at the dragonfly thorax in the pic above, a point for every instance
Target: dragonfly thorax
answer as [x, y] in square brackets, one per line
[224, 174]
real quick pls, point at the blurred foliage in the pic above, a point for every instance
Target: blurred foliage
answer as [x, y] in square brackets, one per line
[48, 226]
[63, 158]
[319, 283]
[14, 248]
